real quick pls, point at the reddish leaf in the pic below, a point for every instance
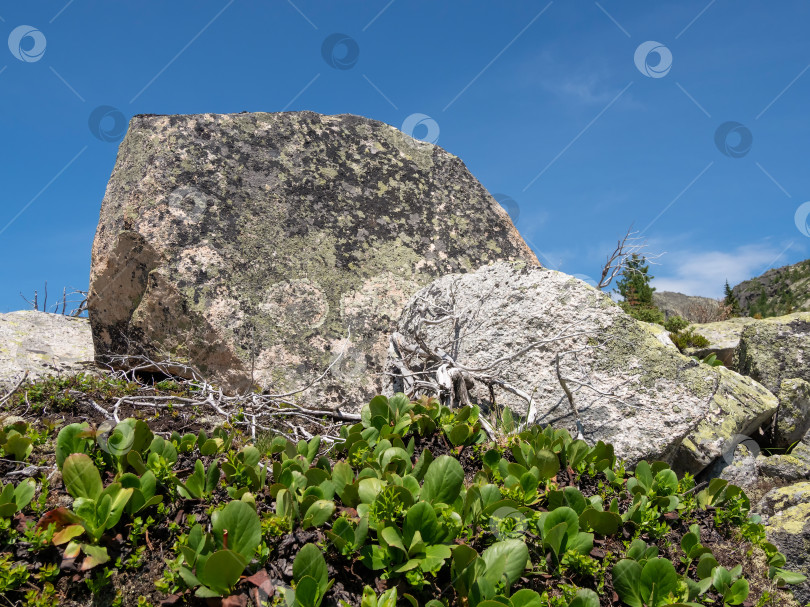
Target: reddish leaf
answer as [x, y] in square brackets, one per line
[61, 517]
[172, 599]
[261, 580]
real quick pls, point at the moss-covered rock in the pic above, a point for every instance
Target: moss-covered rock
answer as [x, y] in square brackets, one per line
[786, 515]
[775, 349]
[261, 247]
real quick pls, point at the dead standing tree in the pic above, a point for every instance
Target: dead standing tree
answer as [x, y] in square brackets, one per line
[617, 260]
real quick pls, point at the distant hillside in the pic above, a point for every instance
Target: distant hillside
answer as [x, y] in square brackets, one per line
[777, 292]
[691, 307]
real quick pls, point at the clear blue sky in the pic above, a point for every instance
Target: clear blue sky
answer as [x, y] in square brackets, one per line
[545, 103]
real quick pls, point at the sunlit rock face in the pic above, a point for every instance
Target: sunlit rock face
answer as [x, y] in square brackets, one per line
[261, 247]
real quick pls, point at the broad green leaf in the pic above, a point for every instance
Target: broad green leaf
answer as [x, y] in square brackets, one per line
[24, 493]
[443, 480]
[644, 475]
[604, 523]
[310, 562]
[570, 496]
[459, 434]
[721, 578]
[555, 539]
[783, 576]
[658, 580]
[706, 565]
[666, 482]
[368, 488]
[626, 580]
[307, 593]
[505, 560]
[421, 518]
[66, 534]
[547, 463]
[378, 407]
[318, 513]
[69, 440]
[19, 446]
[737, 593]
[210, 446]
[581, 542]
[118, 501]
[565, 515]
[584, 598]
[222, 570]
[243, 526]
[81, 477]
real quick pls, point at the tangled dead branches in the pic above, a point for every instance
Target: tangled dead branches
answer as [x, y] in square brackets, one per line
[255, 412]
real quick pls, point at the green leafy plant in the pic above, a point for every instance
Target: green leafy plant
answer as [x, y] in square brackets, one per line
[243, 472]
[310, 577]
[652, 585]
[215, 561]
[14, 499]
[95, 510]
[14, 442]
[201, 483]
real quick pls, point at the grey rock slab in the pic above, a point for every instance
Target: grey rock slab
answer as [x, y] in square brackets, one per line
[42, 344]
[630, 388]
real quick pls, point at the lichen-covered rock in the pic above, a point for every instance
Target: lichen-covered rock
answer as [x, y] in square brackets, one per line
[789, 468]
[260, 247]
[738, 408]
[723, 336]
[793, 419]
[786, 515]
[42, 344]
[774, 349]
[660, 333]
[630, 389]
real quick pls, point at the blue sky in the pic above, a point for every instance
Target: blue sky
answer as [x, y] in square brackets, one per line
[589, 116]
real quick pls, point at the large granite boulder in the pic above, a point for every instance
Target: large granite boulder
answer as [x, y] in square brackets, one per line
[723, 337]
[508, 322]
[260, 247]
[774, 349]
[42, 344]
